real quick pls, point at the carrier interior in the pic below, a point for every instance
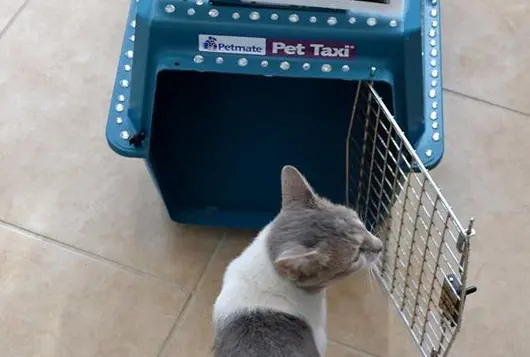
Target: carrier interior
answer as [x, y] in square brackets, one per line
[219, 141]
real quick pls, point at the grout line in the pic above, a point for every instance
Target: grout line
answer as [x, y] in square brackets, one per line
[500, 106]
[176, 324]
[358, 350]
[87, 254]
[209, 262]
[178, 320]
[14, 18]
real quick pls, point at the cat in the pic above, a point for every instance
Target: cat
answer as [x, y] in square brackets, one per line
[273, 298]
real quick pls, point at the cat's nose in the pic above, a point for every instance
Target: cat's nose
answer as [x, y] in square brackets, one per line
[376, 244]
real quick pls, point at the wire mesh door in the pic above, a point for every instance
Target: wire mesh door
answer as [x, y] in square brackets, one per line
[424, 265]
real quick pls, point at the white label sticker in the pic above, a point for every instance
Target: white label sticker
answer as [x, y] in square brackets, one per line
[233, 44]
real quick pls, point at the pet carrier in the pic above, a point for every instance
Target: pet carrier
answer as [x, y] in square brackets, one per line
[223, 94]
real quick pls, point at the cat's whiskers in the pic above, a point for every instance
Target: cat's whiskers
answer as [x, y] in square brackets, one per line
[373, 274]
[366, 280]
[368, 284]
[372, 277]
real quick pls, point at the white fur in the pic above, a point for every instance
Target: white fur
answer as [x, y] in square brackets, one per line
[250, 282]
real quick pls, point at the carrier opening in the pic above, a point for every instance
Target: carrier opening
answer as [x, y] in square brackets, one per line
[227, 132]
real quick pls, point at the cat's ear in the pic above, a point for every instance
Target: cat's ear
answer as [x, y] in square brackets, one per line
[299, 261]
[295, 188]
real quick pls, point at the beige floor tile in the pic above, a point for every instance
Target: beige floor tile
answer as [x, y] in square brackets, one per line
[9, 9]
[485, 173]
[58, 303]
[360, 314]
[59, 177]
[400, 342]
[193, 336]
[336, 350]
[485, 50]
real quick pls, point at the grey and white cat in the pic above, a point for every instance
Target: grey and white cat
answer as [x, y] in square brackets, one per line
[273, 299]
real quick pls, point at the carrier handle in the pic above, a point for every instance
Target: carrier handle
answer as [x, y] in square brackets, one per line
[272, 5]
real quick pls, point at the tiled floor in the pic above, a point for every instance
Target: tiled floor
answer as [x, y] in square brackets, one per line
[91, 266]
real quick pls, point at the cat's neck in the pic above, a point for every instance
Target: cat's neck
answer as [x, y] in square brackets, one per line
[258, 258]
[251, 282]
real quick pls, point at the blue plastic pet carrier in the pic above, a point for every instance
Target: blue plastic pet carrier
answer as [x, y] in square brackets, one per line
[223, 94]
[217, 96]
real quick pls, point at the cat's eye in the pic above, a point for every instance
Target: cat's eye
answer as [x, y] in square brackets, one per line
[311, 243]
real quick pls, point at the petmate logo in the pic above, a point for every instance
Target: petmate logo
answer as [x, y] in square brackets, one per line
[294, 48]
[210, 44]
[232, 44]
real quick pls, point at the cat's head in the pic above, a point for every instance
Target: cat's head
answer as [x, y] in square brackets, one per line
[313, 241]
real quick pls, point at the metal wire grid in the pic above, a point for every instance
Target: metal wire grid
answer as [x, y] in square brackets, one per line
[424, 266]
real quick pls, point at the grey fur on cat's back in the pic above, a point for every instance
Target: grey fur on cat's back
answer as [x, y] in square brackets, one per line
[267, 333]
